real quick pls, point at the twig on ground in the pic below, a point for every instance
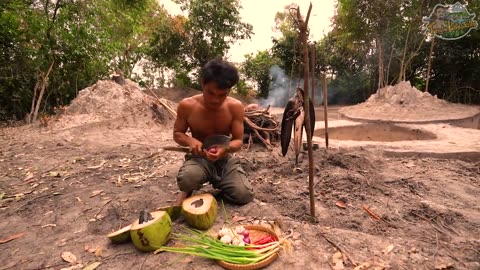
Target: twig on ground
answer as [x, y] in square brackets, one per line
[249, 141]
[101, 209]
[453, 255]
[343, 251]
[370, 212]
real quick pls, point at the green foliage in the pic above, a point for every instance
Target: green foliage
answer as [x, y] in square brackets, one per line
[241, 88]
[383, 40]
[86, 40]
[256, 68]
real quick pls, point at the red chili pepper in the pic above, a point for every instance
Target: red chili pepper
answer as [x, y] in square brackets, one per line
[265, 240]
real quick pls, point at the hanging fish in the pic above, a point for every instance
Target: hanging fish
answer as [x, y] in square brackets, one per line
[294, 117]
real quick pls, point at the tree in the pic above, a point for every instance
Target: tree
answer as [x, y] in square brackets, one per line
[212, 27]
[257, 69]
[51, 49]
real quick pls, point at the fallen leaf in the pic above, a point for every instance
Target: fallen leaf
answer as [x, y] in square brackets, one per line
[238, 218]
[95, 193]
[340, 204]
[98, 166]
[57, 174]
[98, 252]
[19, 196]
[69, 257]
[337, 261]
[388, 249]
[11, 237]
[92, 266]
[90, 249]
[2, 195]
[28, 176]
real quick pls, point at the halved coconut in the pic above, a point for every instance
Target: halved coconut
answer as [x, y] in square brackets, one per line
[152, 234]
[200, 211]
[120, 236]
[173, 211]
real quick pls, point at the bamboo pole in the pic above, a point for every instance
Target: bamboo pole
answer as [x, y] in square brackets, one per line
[303, 31]
[325, 107]
[312, 67]
[429, 63]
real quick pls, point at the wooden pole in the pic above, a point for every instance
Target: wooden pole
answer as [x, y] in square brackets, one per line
[325, 107]
[312, 67]
[429, 63]
[303, 32]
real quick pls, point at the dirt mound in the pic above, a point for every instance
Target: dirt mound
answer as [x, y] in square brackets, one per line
[404, 95]
[107, 101]
[405, 103]
[176, 94]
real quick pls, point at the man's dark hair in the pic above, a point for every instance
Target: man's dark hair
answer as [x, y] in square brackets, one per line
[221, 72]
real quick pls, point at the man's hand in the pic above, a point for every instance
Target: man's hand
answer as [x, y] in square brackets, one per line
[215, 153]
[195, 147]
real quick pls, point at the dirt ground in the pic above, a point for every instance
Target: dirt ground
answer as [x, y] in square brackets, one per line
[66, 187]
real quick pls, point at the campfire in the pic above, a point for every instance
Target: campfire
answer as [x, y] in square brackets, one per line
[261, 126]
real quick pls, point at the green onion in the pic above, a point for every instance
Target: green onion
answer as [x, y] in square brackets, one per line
[211, 248]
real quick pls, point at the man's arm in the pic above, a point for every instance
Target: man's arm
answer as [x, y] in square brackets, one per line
[238, 112]
[181, 126]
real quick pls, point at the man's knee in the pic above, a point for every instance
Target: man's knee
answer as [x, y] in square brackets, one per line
[190, 177]
[240, 195]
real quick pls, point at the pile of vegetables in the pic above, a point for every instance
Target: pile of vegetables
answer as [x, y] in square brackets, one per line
[239, 236]
[213, 247]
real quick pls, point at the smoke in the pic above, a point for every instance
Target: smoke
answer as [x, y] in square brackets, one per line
[278, 91]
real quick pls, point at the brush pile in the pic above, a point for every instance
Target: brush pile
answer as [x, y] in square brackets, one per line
[261, 126]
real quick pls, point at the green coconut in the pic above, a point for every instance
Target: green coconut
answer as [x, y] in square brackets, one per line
[200, 211]
[173, 211]
[120, 236]
[151, 234]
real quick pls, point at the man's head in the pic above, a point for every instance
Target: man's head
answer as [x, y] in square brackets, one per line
[217, 78]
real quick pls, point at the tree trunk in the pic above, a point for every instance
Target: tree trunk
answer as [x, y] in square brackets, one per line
[312, 65]
[42, 92]
[429, 63]
[401, 75]
[381, 80]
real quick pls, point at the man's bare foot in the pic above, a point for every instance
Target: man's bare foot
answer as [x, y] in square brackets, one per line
[181, 197]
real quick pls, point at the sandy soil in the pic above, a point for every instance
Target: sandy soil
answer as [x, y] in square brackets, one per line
[66, 187]
[404, 103]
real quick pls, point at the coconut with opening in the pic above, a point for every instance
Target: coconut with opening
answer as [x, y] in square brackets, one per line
[120, 236]
[151, 230]
[200, 211]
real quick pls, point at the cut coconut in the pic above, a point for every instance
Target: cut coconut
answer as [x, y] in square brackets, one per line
[152, 234]
[120, 236]
[173, 211]
[200, 211]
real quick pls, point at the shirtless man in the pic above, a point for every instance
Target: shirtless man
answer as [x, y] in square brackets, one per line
[212, 113]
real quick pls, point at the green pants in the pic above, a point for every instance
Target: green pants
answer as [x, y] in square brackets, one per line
[226, 175]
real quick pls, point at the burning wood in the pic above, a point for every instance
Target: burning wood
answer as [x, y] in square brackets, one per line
[261, 125]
